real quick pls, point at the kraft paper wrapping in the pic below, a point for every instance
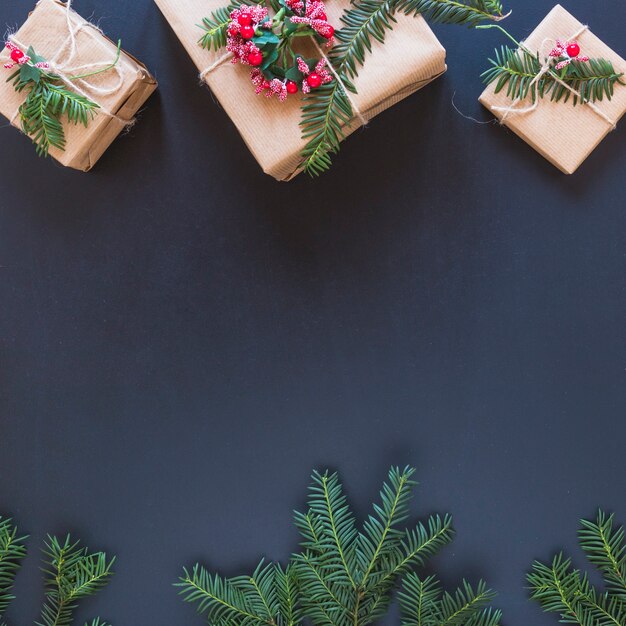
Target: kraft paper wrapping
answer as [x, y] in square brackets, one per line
[46, 29]
[564, 134]
[410, 58]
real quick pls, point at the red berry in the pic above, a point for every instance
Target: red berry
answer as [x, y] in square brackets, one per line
[573, 50]
[314, 80]
[322, 16]
[330, 31]
[247, 32]
[244, 19]
[255, 58]
[16, 54]
[291, 87]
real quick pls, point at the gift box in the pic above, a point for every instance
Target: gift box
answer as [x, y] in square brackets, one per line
[563, 133]
[56, 32]
[410, 58]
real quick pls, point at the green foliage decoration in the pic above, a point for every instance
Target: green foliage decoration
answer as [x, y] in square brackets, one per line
[328, 110]
[521, 72]
[344, 574]
[424, 603]
[12, 552]
[71, 572]
[561, 588]
[49, 99]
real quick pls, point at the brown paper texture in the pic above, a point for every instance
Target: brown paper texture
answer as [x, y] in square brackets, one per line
[46, 30]
[410, 58]
[564, 134]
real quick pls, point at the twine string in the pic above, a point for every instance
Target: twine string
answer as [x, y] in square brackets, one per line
[546, 68]
[65, 72]
[361, 117]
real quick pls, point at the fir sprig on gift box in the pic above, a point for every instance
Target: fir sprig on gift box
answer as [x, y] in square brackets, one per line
[49, 99]
[326, 106]
[327, 110]
[344, 575]
[562, 589]
[566, 74]
[71, 573]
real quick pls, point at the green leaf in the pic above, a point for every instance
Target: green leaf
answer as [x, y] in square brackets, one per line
[29, 73]
[294, 74]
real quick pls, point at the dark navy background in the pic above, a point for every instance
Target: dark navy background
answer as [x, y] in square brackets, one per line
[183, 339]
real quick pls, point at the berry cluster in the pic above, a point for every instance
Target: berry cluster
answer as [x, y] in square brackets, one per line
[566, 52]
[264, 43]
[19, 57]
[314, 79]
[313, 15]
[243, 26]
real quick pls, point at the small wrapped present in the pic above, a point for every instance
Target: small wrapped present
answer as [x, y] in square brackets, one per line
[563, 133]
[74, 48]
[410, 58]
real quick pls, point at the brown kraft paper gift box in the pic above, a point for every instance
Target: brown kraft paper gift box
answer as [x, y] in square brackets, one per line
[564, 134]
[410, 58]
[120, 93]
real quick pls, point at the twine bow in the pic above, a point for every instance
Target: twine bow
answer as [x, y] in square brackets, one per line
[76, 77]
[545, 69]
[225, 57]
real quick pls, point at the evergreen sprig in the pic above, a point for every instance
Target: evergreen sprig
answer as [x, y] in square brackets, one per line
[49, 100]
[215, 26]
[350, 573]
[467, 12]
[344, 574]
[517, 70]
[327, 111]
[12, 551]
[72, 573]
[424, 603]
[562, 589]
[268, 597]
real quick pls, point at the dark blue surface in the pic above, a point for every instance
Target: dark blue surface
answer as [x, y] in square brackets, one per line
[183, 339]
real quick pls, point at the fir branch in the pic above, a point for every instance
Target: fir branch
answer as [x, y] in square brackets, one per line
[593, 80]
[380, 539]
[48, 100]
[344, 575]
[12, 552]
[347, 577]
[517, 70]
[424, 603]
[328, 503]
[464, 12]
[327, 110]
[215, 27]
[567, 591]
[234, 601]
[41, 112]
[364, 21]
[72, 573]
[606, 549]
[577, 79]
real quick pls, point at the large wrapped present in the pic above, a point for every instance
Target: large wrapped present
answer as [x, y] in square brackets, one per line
[410, 58]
